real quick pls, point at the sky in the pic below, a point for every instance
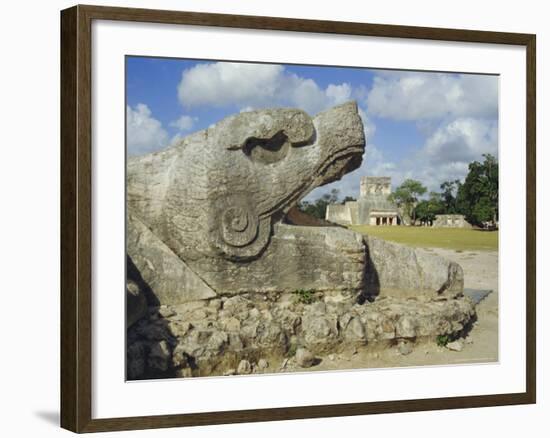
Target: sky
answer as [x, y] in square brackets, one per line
[422, 125]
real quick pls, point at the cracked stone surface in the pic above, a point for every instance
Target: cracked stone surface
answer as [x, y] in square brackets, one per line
[202, 339]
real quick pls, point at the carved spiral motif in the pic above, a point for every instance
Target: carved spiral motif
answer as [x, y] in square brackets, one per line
[239, 225]
[242, 233]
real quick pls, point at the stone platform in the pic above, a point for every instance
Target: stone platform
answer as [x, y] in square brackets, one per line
[238, 335]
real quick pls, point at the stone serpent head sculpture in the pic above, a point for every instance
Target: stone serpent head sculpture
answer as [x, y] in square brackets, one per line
[208, 215]
[215, 197]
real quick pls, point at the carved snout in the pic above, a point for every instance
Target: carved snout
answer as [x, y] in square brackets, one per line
[341, 138]
[340, 129]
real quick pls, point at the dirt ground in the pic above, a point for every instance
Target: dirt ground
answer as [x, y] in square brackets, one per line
[480, 346]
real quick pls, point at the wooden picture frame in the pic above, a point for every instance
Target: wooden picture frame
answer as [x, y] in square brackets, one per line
[76, 217]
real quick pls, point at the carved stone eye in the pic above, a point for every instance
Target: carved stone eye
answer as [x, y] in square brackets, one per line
[267, 151]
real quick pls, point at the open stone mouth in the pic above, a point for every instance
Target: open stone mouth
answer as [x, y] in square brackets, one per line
[354, 157]
[355, 154]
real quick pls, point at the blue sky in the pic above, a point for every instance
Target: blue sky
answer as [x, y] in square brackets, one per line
[421, 125]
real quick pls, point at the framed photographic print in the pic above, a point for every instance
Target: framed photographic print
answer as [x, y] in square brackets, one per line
[269, 218]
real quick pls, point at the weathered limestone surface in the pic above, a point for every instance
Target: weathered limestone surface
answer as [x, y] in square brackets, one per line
[340, 213]
[169, 277]
[213, 337]
[402, 271]
[318, 258]
[215, 202]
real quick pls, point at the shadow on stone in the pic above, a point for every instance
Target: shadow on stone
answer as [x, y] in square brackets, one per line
[149, 339]
[466, 330]
[133, 274]
[149, 346]
[372, 280]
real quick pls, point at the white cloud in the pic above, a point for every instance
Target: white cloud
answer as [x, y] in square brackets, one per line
[368, 125]
[416, 96]
[462, 140]
[339, 93]
[444, 156]
[143, 132]
[255, 86]
[225, 83]
[184, 123]
[456, 113]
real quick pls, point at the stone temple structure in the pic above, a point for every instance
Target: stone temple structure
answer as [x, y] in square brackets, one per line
[450, 221]
[372, 208]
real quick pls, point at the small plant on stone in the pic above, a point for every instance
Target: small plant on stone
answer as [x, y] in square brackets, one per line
[305, 296]
[292, 350]
[442, 340]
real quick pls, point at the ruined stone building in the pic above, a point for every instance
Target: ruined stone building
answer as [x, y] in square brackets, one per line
[451, 221]
[372, 208]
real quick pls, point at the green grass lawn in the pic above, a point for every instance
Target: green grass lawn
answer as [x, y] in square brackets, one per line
[452, 238]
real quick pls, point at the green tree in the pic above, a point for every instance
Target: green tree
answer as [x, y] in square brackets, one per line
[449, 196]
[318, 208]
[348, 199]
[406, 197]
[428, 208]
[477, 198]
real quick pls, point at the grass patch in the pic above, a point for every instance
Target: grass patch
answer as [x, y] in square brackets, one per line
[292, 350]
[442, 340]
[305, 296]
[459, 239]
